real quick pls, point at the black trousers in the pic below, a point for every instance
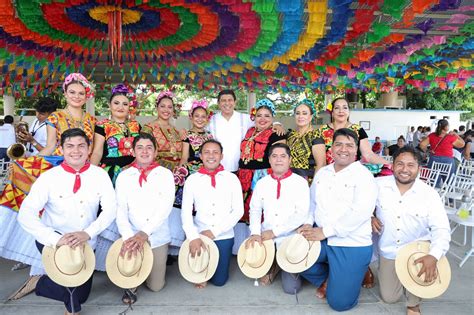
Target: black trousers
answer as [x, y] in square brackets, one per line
[72, 297]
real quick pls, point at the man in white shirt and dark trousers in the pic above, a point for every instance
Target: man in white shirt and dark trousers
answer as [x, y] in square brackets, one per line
[408, 210]
[70, 195]
[145, 195]
[7, 136]
[343, 198]
[283, 198]
[36, 137]
[216, 195]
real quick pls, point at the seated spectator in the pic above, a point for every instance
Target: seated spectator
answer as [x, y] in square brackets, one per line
[390, 150]
[377, 147]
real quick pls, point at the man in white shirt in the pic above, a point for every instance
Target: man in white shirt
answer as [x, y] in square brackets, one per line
[343, 198]
[417, 136]
[145, 195]
[216, 195]
[408, 210]
[61, 209]
[36, 137]
[7, 136]
[410, 135]
[283, 198]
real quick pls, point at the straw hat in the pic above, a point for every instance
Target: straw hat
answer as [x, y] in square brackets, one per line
[200, 268]
[128, 273]
[296, 254]
[256, 261]
[407, 271]
[69, 267]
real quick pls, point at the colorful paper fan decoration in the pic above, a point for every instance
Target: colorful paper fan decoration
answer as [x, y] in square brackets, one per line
[323, 45]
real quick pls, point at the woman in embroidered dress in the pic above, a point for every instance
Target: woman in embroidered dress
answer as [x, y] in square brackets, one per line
[113, 151]
[253, 163]
[170, 147]
[190, 157]
[15, 243]
[306, 145]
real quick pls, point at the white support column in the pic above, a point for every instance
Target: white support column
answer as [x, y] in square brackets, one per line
[8, 105]
[251, 100]
[90, 106]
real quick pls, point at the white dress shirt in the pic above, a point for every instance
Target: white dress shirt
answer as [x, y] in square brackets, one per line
[343, 202]
[218, 209]
[39, 130]
[145, 208]
[8, 137]
[230, 134]
[284, 215]
[65, 211]
[418, 214]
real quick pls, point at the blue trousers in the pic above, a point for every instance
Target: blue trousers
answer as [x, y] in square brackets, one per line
[72, 297]
[344, 267]
[225, 252]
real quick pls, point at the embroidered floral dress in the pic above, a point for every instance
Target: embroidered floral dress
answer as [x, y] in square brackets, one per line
[170, 144]
[253, 163]
[302, 159]
[118, 145]
[181, 173]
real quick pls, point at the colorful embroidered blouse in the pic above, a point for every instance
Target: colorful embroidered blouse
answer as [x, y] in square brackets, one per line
[61, 121]
[327, 134]
[301, 148]
[255, 147]
[195, 140]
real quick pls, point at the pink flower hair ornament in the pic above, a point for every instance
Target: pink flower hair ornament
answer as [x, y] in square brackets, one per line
[165, 94]
[198, 103]
[75, 76]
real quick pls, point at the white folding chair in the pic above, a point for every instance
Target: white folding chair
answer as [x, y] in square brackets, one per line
[444, 169]
[456, 191]
[388, 158]
[429, 176]
[465, 169]
[466, 222]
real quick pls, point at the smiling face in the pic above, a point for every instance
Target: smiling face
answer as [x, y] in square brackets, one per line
[263, 119]
[199, 118]
[165, 109]
[303, 116]
[75, 151]
[344, 151]
[119, 108]
[144, 152]
[405, 169]
[279, 161]
[226, 104]
[75, 95]
[211, 156]
[340, 111]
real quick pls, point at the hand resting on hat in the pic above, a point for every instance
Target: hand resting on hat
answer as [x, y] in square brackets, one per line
[313, 234]
[208, 233]
[251, 241]
[429, 267]
[134, 244]
[195, 247]
[74, 239]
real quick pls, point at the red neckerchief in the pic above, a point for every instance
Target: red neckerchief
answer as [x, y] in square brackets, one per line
[77, 181]
[144, 171]
[286, 175]
[202, 170]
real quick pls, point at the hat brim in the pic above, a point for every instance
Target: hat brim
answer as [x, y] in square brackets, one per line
[438, 287]
[64, 279]
[114, 274]
[256, 273]
[209, 272]
[311, 258]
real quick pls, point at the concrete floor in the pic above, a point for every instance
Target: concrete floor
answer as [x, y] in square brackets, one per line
[238, 296]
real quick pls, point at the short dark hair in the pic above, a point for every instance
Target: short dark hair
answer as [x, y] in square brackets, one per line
[226, 92]
[401, 137]
[338, 99]
[74, 132]
[346, 132]
[279, 145]
[408, 149]
[211, 141]
[144, 136]
[46, 105]
[419, 128]
[8, 119]
[462, 128]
